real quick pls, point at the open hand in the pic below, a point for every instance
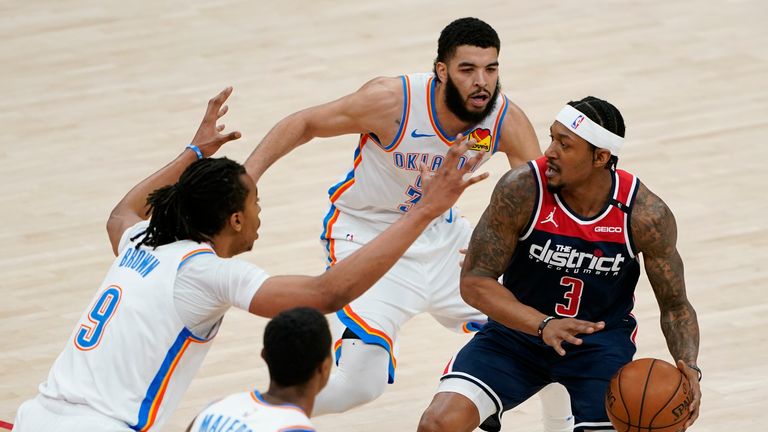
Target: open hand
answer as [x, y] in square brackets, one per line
[562, 330]
[442, 188]
[208, 137]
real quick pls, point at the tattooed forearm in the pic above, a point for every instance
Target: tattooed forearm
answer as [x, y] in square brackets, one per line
[495, 237]
[681, 329]
[678, 318]
[655, 231]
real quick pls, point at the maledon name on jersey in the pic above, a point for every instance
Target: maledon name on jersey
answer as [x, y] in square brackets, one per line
[385, 180]
[249, 412]
[569, 266]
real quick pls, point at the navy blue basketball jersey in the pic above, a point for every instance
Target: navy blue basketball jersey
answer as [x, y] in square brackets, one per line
[569, 266]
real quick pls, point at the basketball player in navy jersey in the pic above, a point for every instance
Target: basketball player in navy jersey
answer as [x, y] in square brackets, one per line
[402, 122]
[565, 232]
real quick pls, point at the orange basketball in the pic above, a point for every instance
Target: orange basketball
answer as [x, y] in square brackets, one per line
[648, 395]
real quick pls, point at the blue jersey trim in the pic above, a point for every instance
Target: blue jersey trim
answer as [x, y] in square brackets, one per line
[402, 117]
[497, 132]
[258, 396]
[181, 264]
[368, 338]
[157, 381]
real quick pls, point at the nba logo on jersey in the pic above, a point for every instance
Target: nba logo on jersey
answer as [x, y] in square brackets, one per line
[577, 121]
[483, 138]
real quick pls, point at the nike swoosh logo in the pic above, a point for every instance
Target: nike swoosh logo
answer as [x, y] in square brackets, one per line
[449, 219]
[415, 134]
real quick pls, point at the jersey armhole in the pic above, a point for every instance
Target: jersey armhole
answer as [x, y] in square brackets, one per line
[403, 118]
[535, 213]
[631, 205]
[499, 122]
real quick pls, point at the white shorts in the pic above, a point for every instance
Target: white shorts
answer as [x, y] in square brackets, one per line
[50, 415]
[425, 279]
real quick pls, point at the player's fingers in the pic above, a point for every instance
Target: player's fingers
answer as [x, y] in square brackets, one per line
[559, 348]
[458, 148]
[589, 328]
[425, 173]
[468, 144]
[230, 137]
[219, 128]
[476, 179]
[692, 418]
[217, 101]
[223, 111]
[572, 340]
[472, 162]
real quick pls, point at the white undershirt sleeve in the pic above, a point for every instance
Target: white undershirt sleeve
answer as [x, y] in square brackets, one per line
[206, 287]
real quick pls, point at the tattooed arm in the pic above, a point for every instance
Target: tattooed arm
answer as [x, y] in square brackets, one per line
[655, 235]
[492, 245]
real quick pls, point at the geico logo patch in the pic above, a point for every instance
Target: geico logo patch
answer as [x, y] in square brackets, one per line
[608, 229]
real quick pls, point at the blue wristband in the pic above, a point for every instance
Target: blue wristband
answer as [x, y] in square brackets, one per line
[195, 149]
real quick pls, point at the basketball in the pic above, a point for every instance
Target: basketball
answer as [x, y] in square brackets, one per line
[648, 395]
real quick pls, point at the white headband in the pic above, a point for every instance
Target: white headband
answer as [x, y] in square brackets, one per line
[595, 134]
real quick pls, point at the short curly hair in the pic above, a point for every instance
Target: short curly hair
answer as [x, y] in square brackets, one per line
[296, 343]
[465, 31]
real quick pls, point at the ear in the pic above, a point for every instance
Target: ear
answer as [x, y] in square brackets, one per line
[236, 221]
[442, 71]
[324, 371]
[601, 157]
[262, 354]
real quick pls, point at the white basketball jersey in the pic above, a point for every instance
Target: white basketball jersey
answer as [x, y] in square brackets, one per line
[130, 357]
[385, 181]
[248, 412]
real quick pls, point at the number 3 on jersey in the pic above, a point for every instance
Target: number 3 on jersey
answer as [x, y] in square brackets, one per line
[571, 308]
[89, 334]
[414, 192]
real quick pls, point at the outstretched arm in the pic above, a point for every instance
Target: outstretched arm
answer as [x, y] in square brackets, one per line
[133, 207]
[655, 234]
[493, 243]
[352, 276]
[375, 107]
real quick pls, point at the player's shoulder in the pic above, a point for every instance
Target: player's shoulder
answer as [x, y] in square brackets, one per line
[382, 93]
[517, 189]
[387, 88]
[652, 223]
[517, 135]
[513, 111]
[649, 207]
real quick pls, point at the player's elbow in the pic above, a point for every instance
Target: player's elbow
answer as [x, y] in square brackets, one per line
[470, 291]
[333, 296]
[114, 225]
[305, 124]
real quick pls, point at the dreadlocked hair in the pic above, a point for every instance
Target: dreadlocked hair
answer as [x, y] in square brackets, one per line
[464, 31]
[606, 115]
[197, 207]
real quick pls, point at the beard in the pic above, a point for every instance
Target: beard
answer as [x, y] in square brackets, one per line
[554, 189]
[458, 105]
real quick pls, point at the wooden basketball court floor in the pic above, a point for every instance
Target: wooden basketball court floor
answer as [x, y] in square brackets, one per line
[96, 95]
